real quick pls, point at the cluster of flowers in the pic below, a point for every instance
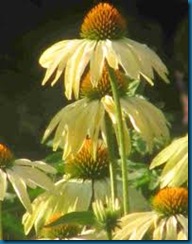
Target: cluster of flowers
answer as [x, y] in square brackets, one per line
[81, 133]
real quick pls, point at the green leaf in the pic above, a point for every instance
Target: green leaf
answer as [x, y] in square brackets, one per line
[81, 218]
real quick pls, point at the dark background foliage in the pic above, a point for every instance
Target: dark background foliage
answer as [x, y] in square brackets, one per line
[29, 26]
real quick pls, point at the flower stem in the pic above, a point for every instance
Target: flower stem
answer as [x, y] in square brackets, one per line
[121, 138]
[111, 151]
[1, 227]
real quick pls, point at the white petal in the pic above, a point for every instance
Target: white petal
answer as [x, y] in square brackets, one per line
[3, 184]
[57, 62]
[35, 176]
[51, 53]
[110, 55]
[184, 223]
[148, 59]
[126, 59]
[76, 65]
[171, 228]
[97, 63]
[159, 231]
[20, 189]
[139, 233]
[131, 223]
[38, 164]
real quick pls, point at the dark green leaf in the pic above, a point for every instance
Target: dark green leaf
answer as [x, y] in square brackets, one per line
[81, 218]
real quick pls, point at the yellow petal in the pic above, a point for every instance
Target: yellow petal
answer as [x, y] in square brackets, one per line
[97, 63]
[126, 59]
[75, 67]
[51, 53]
[3, 184]
[20, 189]
[148, 58]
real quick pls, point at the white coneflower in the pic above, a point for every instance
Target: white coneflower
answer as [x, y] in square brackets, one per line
[167, 221]
[103, 34]
[22, 173]
[86, 117]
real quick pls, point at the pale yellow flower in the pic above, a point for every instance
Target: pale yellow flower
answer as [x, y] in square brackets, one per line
[103, 38]
[22, 173]
[73, 195]
[86, 117]
[78, 194]
[175, 158]
[168, 220]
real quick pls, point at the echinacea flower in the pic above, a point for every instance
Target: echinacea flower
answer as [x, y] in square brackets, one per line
[167, 221]
[103, 38]
[175, 158]
[22, 173]
[85, 166]
[61, 231]
[86, 117]
[107, 215]
[87, 179]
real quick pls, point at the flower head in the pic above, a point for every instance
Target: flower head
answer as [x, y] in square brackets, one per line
[103, 22]
[61, 231]
[85, 166]
[107, 214]
[175, 158]
[103, 87]
[22, 173]
[103, 39]
[168, 220]
[171, 201]
[6, 156]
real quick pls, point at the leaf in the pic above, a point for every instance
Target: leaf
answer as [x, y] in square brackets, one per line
[81, 218]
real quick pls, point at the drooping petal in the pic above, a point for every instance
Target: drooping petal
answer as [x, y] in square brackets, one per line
[148, 59]
[34, 175]
[146, 119]
[97, 63]
[58, 60]
[126, 59]
[75, 122]
[110, 54]
[20, 189]
[75, 67]
[69, 196]
[51, 53]
[3, 184]
[37, 164]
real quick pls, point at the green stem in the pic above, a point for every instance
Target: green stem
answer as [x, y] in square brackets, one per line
[112, 158]
[109, 235]
[1, 227]
[121, 138]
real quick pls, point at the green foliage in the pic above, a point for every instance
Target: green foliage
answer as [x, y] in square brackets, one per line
[12, 212]
[81, 218]
[55, 159]
[140, 177]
